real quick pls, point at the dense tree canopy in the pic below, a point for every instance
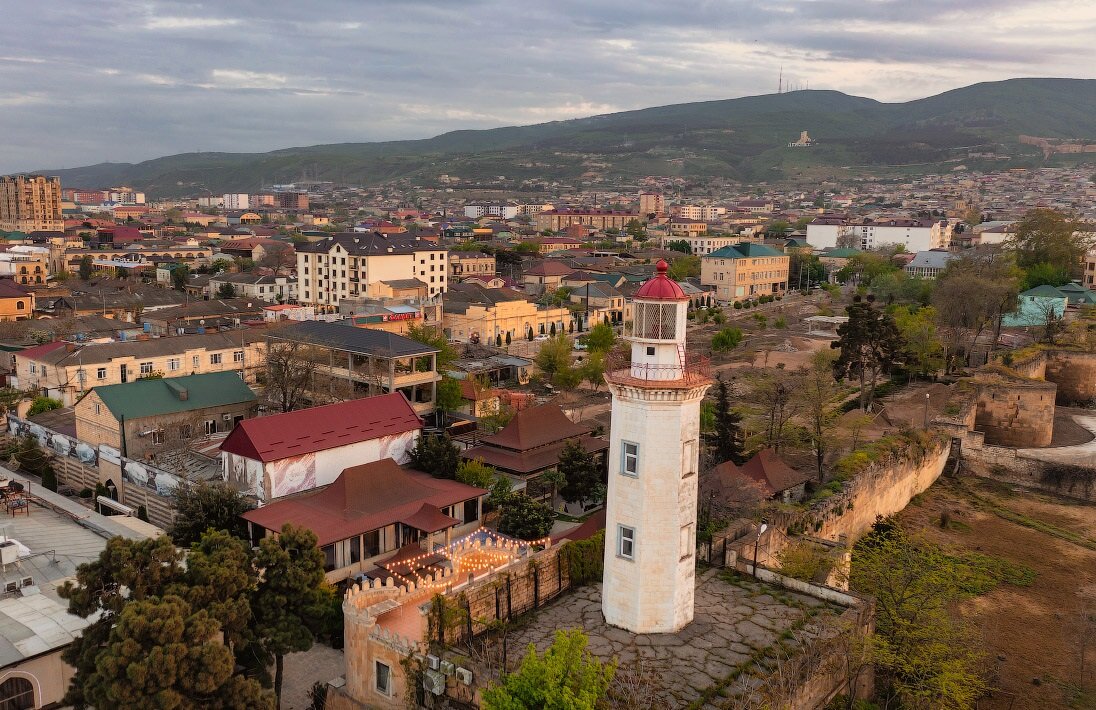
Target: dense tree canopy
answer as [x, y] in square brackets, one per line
[567, 677]
[869, 344]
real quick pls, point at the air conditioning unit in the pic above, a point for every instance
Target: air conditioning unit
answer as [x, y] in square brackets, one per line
[447, 668]
[27, 582]
[432, 662]
[433, 682]
[464, 676]
[11, 587]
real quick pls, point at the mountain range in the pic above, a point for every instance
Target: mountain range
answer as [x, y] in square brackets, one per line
[743, 139]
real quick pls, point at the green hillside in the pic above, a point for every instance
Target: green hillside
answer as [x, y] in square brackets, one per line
[742, 138]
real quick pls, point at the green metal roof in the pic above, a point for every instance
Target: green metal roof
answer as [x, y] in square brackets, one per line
[744, 250]
[147, 398]
[842, 253]
[1044, 291]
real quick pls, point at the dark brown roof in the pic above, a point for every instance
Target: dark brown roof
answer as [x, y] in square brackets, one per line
[533, 460]
[365, 498]
[535, 427]
[764, 468]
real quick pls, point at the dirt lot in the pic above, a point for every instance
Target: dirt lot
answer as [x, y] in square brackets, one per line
[1034, 636]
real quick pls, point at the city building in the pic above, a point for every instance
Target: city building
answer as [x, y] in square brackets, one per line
[545, 275]
[929, 264]
[914, 234]
[493, 210]
[651, 204]
[16, 301]
[686, 227]
[291, 201]
[1036, 307]
[235, 201]
[143, 418]
[745, 271]
[25, 264]
[764, 476]
[473, 314]
[371, 514]
[365, 362]
[30, 203]
[1088, 273]
[272, 289]
[654, 448]
[558, 219]
[754, 206]
[463, 264]
[274, 456]
[349, 264]
[65, 371]
[702, 213]
[701, 245]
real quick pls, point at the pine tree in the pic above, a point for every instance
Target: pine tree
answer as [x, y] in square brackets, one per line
[727, 422]
[869, 343]
[584, 479]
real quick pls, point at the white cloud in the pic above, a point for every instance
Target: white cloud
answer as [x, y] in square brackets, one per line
[244, 79]
[188, 23]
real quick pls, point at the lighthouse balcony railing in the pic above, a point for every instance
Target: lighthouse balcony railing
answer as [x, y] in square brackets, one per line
[695, 370]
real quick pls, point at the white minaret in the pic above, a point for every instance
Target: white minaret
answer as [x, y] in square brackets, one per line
[650, 517]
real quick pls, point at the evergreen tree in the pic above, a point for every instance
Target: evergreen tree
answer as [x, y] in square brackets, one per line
[87, 265]
[584, 479]
[524, 518]
[869, 343]
[202, 506]
[727, 423]
[507, 338]
[436, 455]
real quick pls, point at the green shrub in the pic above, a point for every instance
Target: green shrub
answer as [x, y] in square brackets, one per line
[43, 404]
[49, 478]
[585, 559]
[727, 339]
[738, 305]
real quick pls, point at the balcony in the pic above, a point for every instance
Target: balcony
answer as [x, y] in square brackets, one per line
[695, 371]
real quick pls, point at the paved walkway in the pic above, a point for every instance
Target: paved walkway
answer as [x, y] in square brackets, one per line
[320, 663]
[1080, 455]
[731, 624]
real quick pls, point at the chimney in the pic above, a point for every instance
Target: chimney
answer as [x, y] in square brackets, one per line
[178, 390]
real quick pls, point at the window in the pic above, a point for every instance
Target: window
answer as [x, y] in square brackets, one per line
[328, 557]
[237, 356]
[372, 543]
[195, 361]
[355, 549]
[688, 543]
[158, 436]
[629, 454]
[650, 350]
[146, 368]
[19, 305]
[383, 678]
[215, 358]
[626, 542]
[471, 510]
[98, 408]
[33, 368]
[17, 694]
[173, 364]
[45, 370]
[211, 426]
[101, 373]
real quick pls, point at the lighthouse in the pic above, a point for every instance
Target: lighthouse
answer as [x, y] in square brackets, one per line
[650, 516]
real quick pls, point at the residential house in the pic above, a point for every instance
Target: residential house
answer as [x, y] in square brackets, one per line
[149, 416]
[914, 234]
[765, 476]
[16, 301]
[1036, 307]
[745, 271]
[557, 219]
[929, 264]
[25, 264]
[1088, 274]
[463, 264]
[274, 456]
[202, 316]
[530, 445]
[685, 227]
[700, 244]
[364, 361]
[545, 275]
[603, 298]
[373, 515]
[65, 370]
[272, 289]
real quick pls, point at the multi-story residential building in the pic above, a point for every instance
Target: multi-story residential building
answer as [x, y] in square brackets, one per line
[273, 289]
[685, 227]
[191, 255]
[755, 206]
[745, 271]
[66, 370]
[25, 264]
[124, 196]
[558, 219]
[291, 201]
[30, 203]
[492, 210]
[651, 203]
[236, 201]
[349, 264]
[701, 245]
[703, 213]
[914, 234]
[155, 415]
[1088, 274]
[463, 264]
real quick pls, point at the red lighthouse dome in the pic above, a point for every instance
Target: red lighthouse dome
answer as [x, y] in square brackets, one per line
[661, 287]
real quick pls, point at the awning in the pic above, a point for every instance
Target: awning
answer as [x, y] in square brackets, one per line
[429, 519]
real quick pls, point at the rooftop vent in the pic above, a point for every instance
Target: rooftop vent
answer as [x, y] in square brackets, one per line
[178, 390]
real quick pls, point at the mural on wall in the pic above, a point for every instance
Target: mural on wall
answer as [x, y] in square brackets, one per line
[147, 476]
[62, 444]
[292, 475]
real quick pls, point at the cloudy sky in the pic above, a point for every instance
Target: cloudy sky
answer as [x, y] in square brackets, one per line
[86, 81]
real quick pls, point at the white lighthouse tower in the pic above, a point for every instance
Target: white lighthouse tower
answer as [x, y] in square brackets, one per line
[650, 524]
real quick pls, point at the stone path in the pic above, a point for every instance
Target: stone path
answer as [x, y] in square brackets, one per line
[1080, 455]
[734, 625]
[320, 663]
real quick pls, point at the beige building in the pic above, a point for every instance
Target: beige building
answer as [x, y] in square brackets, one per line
[349, 264]
[463, 264]
[745, 271]
[27, 265]
[30, 203]
[651, 203]
[65, 371]
[556, 220]
[703, 213]
[16, 302]
[502, 313]
[1088, 276]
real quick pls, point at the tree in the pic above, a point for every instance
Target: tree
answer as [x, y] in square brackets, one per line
[278, 257]
[437, 340]
[496, 418]
[1044, 273]
[226, 290]
[727, 425]
[924, 353]
[44, 404]
[600, 338]
[179, 276]
[290, 371]
[162, 653]
[583, 478]
[292, 597]
[567, 677]
[869, 344]
[680, 245]
[684, 267]
[524, 518]
[87, 265]
[727, 339]
[593, 370]
[971, 295]
[820, 395]
[220, 265]
[436, 455]
[773, 400]
[554, 356]
[202, 505]
[1046, 236]
[476, 473]
[449, 398]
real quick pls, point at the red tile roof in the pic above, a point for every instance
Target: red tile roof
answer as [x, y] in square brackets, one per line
[765, 469]
[320, 428]
[548, 268]
[534, 427]
[365, 498]
[37, 350]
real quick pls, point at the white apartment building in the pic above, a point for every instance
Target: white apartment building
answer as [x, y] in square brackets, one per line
[484, 210]
[702, 245]
[703, 213]
[351, 264]
[236, 201]
[914, 234]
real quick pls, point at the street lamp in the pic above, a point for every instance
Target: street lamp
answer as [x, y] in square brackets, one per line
[757, 541]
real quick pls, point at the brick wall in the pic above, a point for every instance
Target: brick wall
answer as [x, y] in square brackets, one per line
[1019, 413]
[1074, 373]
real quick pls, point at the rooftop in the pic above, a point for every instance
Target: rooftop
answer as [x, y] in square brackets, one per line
[362, 341]
[153, 397]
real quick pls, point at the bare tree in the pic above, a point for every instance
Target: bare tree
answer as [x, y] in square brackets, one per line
[290, 371]
[774, 403]
[278, 257]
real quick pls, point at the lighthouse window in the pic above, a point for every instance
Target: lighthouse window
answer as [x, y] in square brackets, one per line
[630, 459]
[626, 542]
[650, 350]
